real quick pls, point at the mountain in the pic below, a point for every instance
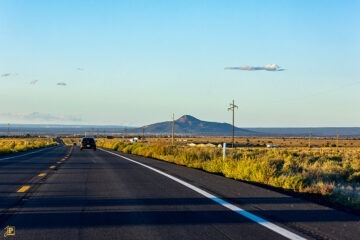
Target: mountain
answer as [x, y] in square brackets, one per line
[189, 125]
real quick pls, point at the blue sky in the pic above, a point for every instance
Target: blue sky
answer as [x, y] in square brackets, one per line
[137, 62]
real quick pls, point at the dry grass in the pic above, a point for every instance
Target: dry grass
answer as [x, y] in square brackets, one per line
[70, 141]
[263, 141]
[12, 145]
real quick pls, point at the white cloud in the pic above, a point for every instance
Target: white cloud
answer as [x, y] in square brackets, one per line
[39, 117]
[269, 67]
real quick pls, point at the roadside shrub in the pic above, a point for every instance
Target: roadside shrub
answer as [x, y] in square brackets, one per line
[355, 177]
[296, 183]
[11, 145]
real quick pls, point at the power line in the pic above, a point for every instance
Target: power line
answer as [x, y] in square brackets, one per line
[232, 108]
[172, 129]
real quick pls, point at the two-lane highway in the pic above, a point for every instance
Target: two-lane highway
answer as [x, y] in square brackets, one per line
[100, 195]
[20, 172]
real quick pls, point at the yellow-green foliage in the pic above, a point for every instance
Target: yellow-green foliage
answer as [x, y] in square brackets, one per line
[67, 141]
[70, 141]
[298, 169]
[11, 145]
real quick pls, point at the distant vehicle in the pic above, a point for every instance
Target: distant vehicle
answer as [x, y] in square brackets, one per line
[272, 146]
[134, 140]
[88, 143]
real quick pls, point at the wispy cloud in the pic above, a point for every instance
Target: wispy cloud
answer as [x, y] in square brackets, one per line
[40, 117]
[8, 74]
[34, 82]
[5, 75]
[61, 84]
[269, 67]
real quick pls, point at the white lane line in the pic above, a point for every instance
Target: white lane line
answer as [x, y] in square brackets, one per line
[1, 159]
[232, 207]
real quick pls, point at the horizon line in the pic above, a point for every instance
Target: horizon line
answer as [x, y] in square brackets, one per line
[128, 126]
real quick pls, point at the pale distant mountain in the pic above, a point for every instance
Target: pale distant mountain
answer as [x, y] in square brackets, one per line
[189, 125]
[342, 132]
[60, 129]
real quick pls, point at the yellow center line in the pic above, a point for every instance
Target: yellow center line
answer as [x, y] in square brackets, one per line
[23, 189]
[53, 167]
[42, 175]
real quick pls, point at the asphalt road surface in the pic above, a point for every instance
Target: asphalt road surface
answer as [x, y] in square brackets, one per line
[64, 193]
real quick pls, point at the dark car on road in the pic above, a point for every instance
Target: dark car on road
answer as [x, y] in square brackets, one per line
[88, 143]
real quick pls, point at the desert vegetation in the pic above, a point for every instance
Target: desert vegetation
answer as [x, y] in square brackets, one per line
[70, 141]
[13, 145]
[328, 171]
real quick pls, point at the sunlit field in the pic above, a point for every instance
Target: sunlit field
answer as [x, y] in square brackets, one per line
[333, 172]
[13, 145]
[70, 141]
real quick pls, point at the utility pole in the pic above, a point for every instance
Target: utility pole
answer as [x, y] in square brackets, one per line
[172, 130]
[232, 108]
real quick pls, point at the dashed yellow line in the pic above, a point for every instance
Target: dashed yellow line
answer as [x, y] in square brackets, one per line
[53, 167]
[23, 189]
[42, 175]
